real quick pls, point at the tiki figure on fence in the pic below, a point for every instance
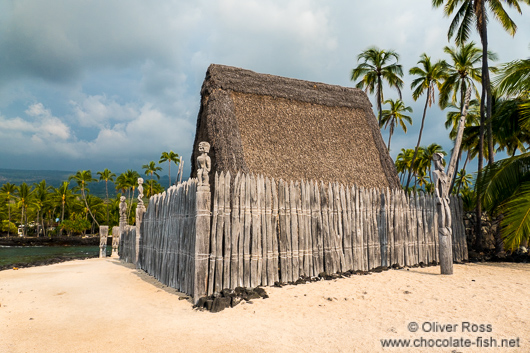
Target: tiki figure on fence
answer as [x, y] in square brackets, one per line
[204, 164]
[140, 192]
[123, 210]
[442, 183]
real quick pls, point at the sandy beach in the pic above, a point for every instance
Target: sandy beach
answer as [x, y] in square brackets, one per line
[104, 305]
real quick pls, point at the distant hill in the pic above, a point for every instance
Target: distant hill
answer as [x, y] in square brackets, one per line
[56, 177]
[18, 176]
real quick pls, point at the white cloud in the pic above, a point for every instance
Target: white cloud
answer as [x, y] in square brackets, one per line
[100, 111]
[37, 109]
[123, 77]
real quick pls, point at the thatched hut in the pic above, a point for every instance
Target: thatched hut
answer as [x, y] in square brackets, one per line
[291, 129]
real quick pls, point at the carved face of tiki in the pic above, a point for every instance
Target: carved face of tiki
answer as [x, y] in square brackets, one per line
[204, 147]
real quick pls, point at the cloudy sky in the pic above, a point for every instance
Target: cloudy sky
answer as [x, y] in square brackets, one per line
[114, 83]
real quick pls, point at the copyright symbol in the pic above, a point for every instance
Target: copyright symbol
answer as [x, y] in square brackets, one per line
[413, 327]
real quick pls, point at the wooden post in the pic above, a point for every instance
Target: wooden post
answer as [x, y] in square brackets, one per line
[213, 237]
[293, 197]
[103, 234]
[246, 240]
[236, 233]
[202, 237]
[270, 232]
[275, 232]
[219, 235]
[227, 233]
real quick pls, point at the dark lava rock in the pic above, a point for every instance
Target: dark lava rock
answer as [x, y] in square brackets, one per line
[261, 292]
[235, 301]
[201, 302]
[220, 304]
[300, 281]
[208, 304]
[250, 295]
[380, 269]
[227, 293]
[240, 290]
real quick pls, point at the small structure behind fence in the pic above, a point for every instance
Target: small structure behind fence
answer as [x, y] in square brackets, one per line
[262, 231]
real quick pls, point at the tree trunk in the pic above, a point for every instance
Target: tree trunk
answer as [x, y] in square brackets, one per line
[170, 173]
[419, 137]
[379, 97]
[487, 84]
[391, 132]
[107, 200]
[88, 209]
[9, 218]
[479, 241]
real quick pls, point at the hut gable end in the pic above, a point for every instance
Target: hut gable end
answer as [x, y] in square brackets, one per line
[291, 129]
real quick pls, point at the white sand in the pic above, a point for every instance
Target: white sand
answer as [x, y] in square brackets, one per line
[106, 306]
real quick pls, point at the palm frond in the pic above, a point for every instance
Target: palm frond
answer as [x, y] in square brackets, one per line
[500, 180]
[502, 16]
[516, 222]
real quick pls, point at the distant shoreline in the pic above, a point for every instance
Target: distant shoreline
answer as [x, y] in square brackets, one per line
[46, 241]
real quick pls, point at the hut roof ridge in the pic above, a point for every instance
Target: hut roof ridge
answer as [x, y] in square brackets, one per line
[250, 82]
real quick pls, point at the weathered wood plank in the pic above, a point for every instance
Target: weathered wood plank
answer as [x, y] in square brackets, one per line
[326, 230]
[301, 229]
[240, 242]
[348, 225]
[236, 232]
[293, 197]
[275, 232]
[269, 234]
[247, 235]
[213, 238]
[283, 231]
[255, 233]
[308, 256]
[316, 230]
[383, 231]
[227, 232]
[262, 268]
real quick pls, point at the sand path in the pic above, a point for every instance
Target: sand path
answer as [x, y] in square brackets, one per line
[103, 305]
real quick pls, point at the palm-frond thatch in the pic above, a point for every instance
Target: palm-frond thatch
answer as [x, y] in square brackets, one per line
[291, 129]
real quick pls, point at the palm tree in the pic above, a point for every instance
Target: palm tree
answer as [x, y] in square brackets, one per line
[25, 199]
[514, 78]
[474, 12]
[463, 180]
[83, 178]
[510, 135]
[64, 196]
[403, 162]
[127, 182]
[8, 191]
[107, 176]
[41, 197]
[151, 169]
[169, 157]
[96, 206]
[395, 114]
[378, 65]
[470, 136]
[504, 188]
[428, 154]
[462, 73]
[153, 188]
[429, 76]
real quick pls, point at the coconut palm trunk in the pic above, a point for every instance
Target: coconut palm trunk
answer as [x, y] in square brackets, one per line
[419, 137]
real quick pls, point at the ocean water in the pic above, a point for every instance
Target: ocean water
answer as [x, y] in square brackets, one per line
[30, 254]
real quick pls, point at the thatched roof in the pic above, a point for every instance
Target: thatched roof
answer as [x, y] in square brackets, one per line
[290, 129]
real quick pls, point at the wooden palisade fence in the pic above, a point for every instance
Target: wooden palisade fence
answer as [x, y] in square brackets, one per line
[263, 231]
